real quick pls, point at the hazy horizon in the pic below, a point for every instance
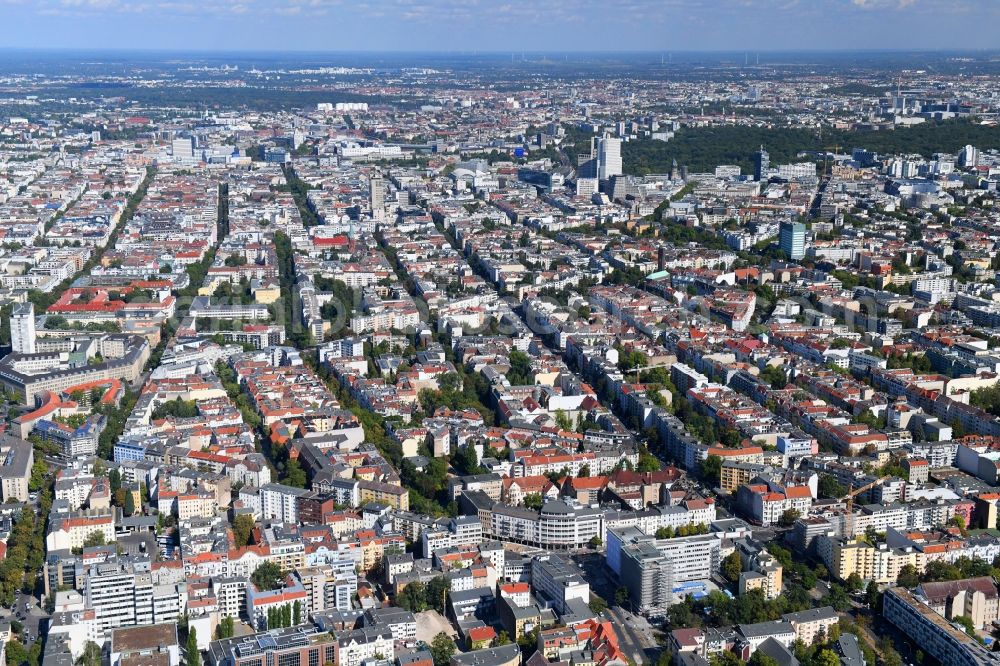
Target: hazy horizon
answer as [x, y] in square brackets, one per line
[557, 26]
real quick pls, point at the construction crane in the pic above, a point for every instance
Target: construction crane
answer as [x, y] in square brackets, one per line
[849, 498]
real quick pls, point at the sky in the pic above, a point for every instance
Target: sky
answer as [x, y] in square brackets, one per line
[500, 25]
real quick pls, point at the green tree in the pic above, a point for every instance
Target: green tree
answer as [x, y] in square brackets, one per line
[465, 460]
[442, 649]
[129, 507]
[830, 488]
[761, 659]
[872, 595]
[242, 529]
[520, 373]
[533, 501]
[732, 567]
[908, 576]
[16, 654]
[939, 570]
[91, 655]
[191, 655]
[681, 615]
[413, 597]
[227, 628]
[854, 582]
[774, 376]
[789, 517]
[295, 476]
[597, 604]
[267, 576]
[967, 625]
[437, 590]
[114, 480]
[826, 657]
[528, 643]
[95, 538]
[39, 470]
[296, 614]
[621, 596]
[711, 470]
[647, 461]
[725, 658]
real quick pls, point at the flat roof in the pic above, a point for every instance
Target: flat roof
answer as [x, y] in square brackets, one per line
[130, 639]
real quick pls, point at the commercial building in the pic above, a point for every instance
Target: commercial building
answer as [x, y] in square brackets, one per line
[608, 153]
[761, 164]
[792, 239]
[558, 525]
[558, 581]
[654, 570]
[376, 196]
[296, 646]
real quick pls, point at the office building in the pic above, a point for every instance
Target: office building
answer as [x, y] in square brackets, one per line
[655, 570]
[296, 646]
[761, 163]
[22, 328]
[608, 153]
[792, 239]
[182, 149]
[558, 581]
[969, 157]
[376, 197]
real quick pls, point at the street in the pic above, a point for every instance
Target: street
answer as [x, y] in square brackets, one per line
[634, 634]
[30, 619]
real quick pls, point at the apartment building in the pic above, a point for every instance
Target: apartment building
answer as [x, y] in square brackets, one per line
[280, 502]
[932, 632]
[974, 598]
[123, 594]
[881, 563]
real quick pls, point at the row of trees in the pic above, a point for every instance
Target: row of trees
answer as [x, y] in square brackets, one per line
[964, 567]
[288, 615]
[43, 299]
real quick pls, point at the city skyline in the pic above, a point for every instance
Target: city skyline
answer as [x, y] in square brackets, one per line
[434, 26]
